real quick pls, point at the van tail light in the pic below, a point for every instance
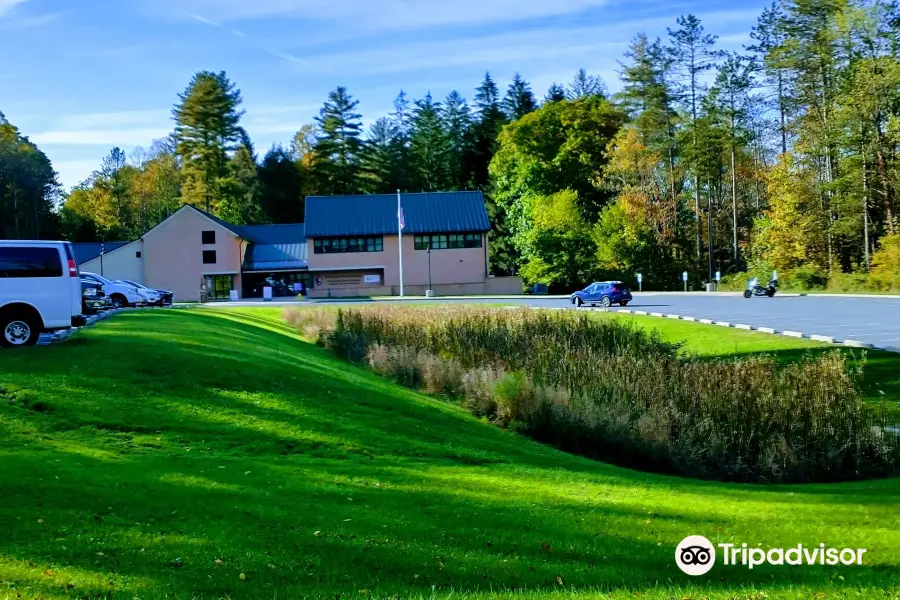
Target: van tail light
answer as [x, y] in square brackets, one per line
[73, 268]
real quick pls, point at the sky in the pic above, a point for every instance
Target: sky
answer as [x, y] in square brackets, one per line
[79, 77]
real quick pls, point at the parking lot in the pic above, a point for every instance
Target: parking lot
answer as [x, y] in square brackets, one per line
[870, 320]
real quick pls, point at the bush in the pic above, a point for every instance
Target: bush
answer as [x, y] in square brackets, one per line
[607, 389]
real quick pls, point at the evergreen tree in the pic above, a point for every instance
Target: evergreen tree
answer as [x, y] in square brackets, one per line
[519, 99]
[339, 147]
[769, 35]
[207, 128]
[240, 191]
[556, 93]
[647, 96]
[283, 186]
[380, 163]
[584, 84]
[430, 147]
[457, 124]
[692, 53]
[490, 119]
[731, 95]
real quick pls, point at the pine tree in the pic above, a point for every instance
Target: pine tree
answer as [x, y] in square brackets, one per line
[458, 124]
[584, 84]
[207, 128]
[769, 35]
[556, 93]
[692, 53]
[380, 160]
[283, 183]
[731, 94]
[240, 191]
[647, 96]
[430, 147]
[338, 148]
[489, 121]
[519, 99]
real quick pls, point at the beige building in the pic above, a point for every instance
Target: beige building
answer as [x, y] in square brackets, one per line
[348, 247]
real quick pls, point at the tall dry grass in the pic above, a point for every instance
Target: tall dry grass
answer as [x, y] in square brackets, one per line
[608, 389]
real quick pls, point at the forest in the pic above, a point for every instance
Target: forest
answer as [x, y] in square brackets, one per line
[782, 157]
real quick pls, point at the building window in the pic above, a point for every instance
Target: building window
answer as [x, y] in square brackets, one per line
[209, 257]
[442, 242]
[218, 287]
[137, 254]
[348, 245]
[209, 237]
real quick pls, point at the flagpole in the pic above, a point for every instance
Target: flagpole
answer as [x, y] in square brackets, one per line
[400, 239]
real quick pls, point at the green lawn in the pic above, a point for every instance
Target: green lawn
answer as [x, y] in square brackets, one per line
[210, 453]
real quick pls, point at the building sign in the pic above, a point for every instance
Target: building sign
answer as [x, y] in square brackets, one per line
[372, 278]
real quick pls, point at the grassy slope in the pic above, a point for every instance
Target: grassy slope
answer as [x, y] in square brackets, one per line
[140, 452]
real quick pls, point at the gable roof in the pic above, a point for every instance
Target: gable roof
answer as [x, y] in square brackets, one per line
[85, 253]
[232, 228]
[294, 233]
[376, 214]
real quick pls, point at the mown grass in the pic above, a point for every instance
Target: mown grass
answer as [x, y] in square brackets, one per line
[139, 453]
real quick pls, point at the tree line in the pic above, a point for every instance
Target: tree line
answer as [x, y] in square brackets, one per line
[782, 156]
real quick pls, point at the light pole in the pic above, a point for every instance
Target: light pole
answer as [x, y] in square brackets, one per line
[429, 267]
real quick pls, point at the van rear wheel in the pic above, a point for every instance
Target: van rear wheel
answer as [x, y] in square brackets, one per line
[19, 330]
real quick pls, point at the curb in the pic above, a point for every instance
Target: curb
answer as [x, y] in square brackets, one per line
[771, 331]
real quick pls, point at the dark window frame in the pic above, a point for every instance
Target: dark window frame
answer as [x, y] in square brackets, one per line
[348, 245]
[449, 241]
[207, 254]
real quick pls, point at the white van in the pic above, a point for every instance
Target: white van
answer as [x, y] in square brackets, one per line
[40, 290]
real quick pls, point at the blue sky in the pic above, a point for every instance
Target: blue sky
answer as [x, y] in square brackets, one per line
[81, 76]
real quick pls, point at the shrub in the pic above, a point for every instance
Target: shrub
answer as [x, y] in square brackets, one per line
[606, 389]
[886, 264]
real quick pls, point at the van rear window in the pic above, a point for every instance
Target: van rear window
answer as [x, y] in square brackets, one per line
[18, 262]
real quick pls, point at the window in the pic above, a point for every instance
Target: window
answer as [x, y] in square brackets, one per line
[19, 262]
[209, 237]
[218, 287]
[137, 254]
[209, 257]
[348, 245]
[454, 240]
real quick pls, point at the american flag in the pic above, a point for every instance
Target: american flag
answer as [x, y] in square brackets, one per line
[400, 218]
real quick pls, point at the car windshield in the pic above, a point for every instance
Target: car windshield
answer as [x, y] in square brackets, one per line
[100, 278]
[134, 283]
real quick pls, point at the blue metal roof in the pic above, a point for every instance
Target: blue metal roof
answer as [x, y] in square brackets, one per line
[376, 214]
[274, 234]
[276, 257]
[85, 253]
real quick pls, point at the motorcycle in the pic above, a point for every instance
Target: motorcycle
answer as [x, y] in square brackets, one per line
[755, 289]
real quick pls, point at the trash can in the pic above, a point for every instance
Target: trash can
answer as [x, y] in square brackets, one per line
[710, 287]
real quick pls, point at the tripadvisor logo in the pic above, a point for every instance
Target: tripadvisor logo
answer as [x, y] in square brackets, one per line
[696, 555]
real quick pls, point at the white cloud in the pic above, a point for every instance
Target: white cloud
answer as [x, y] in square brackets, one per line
[390, 14]
[6, 6]
[604, 43]
[99, 137]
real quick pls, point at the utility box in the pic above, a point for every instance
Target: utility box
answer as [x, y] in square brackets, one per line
[539, 289]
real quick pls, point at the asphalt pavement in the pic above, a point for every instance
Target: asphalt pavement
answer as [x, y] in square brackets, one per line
[870, 320]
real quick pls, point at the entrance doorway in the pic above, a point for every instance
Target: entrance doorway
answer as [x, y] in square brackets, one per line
[218, 287]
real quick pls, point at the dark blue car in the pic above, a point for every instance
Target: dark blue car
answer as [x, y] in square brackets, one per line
[602, 293]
